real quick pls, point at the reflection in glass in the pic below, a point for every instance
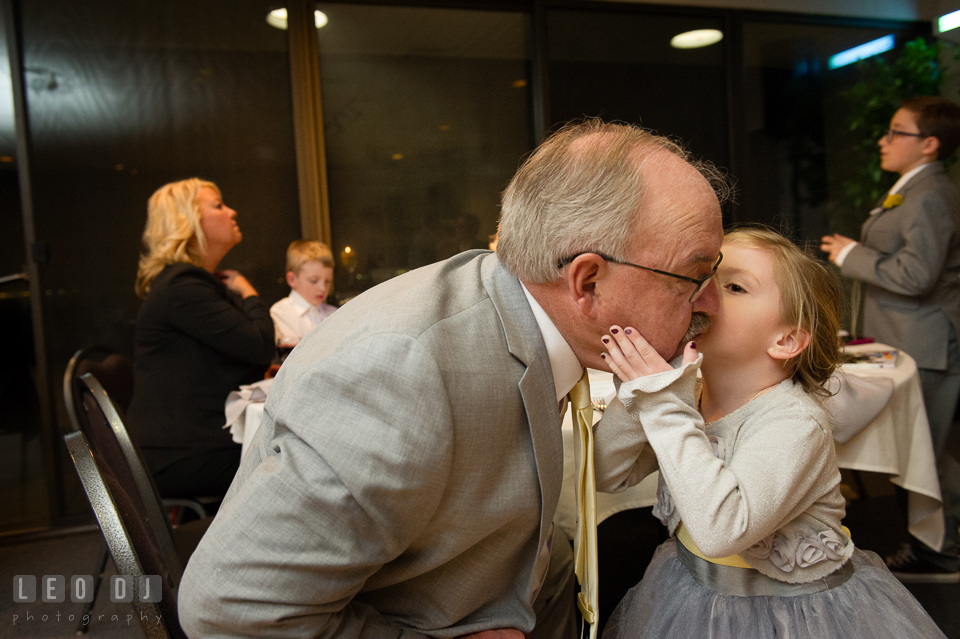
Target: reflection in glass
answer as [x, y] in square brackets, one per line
[621, 66]
[795, 123]
[426, 117]
[21, 467]
[124, 99]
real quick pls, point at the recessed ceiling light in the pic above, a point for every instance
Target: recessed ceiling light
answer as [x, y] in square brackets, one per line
[862, 52]
[949, 21]
[278, 18]
[696, 39]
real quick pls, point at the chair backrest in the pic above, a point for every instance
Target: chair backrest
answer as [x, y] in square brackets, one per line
[107, 436]
[112, 370]
[132, 543]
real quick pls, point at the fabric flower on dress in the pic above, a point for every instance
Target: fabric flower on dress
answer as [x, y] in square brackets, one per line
[784, 553]
[664, 506]
[810, 552]
[761, 549]
[832, 544]
[716, 443]
[892, 200]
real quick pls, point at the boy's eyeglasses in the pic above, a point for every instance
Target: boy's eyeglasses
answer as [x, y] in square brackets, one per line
[699, 281]
[891, 134]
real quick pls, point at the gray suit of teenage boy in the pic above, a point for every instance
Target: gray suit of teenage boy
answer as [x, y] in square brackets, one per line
[405, 477]
[909, 258]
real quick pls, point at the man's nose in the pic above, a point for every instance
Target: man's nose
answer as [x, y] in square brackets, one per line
[709, 300]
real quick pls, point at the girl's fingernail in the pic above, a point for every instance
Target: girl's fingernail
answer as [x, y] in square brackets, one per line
[693, 344]
[603, 355]
[605, 340]
[614, 331]
[627, 331]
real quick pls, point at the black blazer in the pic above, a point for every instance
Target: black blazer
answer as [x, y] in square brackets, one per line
[195, 342]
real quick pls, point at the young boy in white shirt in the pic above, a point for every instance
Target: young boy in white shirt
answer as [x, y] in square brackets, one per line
[310, 276]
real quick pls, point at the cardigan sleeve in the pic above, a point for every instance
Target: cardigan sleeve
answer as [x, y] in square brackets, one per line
[770, 477]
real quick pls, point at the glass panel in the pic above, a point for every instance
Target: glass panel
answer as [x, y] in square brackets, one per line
[21, 471]
[426, 114]
[796, 132]
[123, 99]
[620, 66]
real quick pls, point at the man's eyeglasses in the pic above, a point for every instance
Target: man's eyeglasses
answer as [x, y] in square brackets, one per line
[699, 281]
[891, 134]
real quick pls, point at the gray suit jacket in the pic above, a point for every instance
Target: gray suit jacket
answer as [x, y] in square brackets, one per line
[910, 260]
[405, 477]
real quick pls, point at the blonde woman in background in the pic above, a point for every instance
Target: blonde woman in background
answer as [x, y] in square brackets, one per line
[201, 333]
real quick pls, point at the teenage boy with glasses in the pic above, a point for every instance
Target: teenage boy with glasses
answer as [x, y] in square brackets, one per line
[909, 258]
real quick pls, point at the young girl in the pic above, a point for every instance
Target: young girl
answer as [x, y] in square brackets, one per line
[749, 484]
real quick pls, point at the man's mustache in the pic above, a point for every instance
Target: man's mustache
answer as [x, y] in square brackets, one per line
[699, 322]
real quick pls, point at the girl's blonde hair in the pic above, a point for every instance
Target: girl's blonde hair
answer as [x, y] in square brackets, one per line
[173, 219]
[810, 299]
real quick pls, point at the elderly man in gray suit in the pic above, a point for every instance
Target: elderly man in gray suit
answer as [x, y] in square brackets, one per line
[909, 258]
[407, 472]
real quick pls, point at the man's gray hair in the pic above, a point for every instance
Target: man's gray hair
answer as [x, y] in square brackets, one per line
[575, 195]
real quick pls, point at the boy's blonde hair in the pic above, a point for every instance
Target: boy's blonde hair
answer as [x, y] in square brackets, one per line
[302, 251]
[173, 219]
[810, 299]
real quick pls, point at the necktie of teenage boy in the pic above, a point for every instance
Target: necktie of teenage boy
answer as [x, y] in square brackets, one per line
[585, 534]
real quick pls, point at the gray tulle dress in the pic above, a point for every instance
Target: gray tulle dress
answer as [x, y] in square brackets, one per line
[761, 483]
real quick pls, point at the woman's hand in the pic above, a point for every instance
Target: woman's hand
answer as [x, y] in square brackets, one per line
[237, 283]
[630, 356]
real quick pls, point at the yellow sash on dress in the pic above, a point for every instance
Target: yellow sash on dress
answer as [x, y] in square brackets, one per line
[683, 536]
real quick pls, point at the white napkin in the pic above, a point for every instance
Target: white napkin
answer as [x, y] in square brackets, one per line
[250, 394]
[858, 400]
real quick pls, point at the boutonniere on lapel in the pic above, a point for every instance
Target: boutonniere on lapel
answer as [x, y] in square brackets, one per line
[892, 200]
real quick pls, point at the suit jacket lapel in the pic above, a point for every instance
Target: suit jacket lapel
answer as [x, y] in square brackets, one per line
[926, 174]
[525, 342]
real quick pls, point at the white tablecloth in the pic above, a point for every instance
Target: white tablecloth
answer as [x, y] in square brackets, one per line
[896, 442]
[246, 425]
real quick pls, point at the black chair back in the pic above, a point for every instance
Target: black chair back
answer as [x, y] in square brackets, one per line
[107, 436]
[133, 544]
[112, 370]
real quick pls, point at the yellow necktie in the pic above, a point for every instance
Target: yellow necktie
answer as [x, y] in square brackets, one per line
[585, 534]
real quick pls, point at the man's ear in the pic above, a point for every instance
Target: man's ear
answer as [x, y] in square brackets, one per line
[931, 145]
[291, 278]
[790, 343]
[581, 277]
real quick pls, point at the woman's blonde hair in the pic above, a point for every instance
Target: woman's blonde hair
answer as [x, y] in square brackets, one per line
[810, 299]
[173, 219]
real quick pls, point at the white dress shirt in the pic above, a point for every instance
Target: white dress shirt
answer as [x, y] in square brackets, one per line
[564, 364]
[294, 317]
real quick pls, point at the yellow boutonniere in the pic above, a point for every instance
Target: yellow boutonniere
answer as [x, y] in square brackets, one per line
[892, 200]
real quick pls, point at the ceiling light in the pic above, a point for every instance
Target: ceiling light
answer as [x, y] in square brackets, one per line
[949, 21]
[278, 18]
[696, 39]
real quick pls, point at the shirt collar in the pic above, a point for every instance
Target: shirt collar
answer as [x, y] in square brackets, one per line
[564, 364]
[906, 177]
[296, 299]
